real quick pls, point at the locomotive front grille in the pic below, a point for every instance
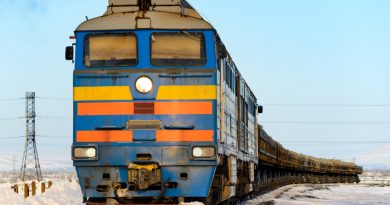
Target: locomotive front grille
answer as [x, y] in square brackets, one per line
[144, 124]
[143, 108]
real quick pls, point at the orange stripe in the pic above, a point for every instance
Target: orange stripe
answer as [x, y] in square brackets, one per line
[161, 108]
[111, 108]
[104, 136]
[183, 108]
[184, 135]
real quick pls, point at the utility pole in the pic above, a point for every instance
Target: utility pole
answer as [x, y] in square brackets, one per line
[30, 163]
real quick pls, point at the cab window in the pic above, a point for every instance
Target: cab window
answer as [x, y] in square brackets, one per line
[178, 49]
[110, 50]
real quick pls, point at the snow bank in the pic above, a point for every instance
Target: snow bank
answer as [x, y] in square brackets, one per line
[61, 193]
[65, 191]
[339, 194]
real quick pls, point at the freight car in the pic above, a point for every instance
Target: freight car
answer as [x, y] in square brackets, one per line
[279, 166]
[163, 115]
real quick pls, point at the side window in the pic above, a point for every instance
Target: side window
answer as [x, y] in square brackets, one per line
[234, 82]
[251, 107]
[229, 72]
[229, 76]
[225, 71]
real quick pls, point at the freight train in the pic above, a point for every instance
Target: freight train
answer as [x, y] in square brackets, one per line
[162, 115]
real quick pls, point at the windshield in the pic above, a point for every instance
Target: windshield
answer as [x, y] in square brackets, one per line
[110, 50]
[178, 49]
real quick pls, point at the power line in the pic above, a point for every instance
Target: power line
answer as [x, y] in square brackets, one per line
[54, 117]
[337, 142]
[328, 105]
[10, 99]
[55, 98]
[52, 136]
[325, 122]
[11, 118]
[39, 136]
[42, 98]
[9, 138]
[45, 117]
[46, 144]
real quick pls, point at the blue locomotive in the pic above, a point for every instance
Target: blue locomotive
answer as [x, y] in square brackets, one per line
[161, 113]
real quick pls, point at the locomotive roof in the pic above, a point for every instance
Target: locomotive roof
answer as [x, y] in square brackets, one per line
[161, 14]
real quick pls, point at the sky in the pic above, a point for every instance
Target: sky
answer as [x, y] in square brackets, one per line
[320, 68]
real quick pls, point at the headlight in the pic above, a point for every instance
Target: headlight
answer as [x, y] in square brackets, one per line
[203, 152]
[84, 152]
[144, 84]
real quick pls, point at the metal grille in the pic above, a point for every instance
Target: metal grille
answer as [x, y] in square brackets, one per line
[144, 108]
[244, 145]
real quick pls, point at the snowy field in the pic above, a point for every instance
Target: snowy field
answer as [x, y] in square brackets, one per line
[374, 189]
[61, 193]
[65, 190]
[380, 178]
[339, 194]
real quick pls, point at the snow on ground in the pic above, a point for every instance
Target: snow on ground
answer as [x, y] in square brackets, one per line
[330, 194]
[376, 178]
[374, 189]
[62, 192]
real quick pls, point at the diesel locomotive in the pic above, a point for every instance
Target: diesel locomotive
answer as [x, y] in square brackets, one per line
[162, 115]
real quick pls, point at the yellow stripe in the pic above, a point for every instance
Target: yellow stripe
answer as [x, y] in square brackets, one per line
[102, 93]
[187, 92]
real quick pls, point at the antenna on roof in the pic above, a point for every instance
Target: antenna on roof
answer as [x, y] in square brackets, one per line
[144, 4]
[182, 8]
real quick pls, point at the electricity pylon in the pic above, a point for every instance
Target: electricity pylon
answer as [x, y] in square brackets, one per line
[30, 163]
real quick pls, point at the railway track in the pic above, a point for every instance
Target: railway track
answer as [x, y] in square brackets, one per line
[232, 201]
